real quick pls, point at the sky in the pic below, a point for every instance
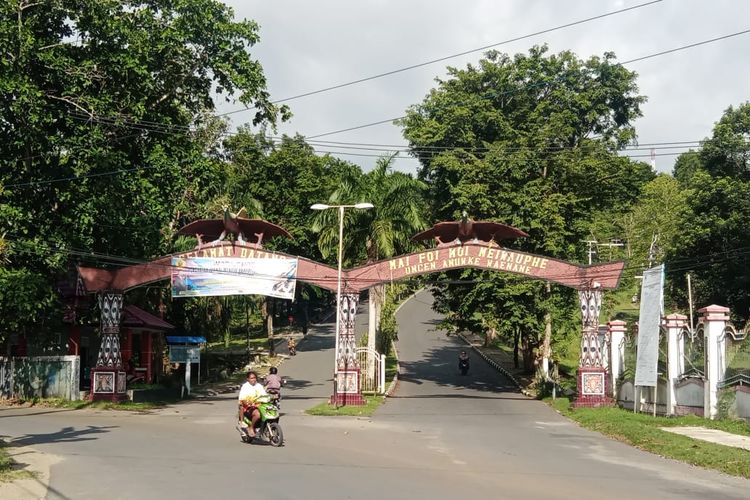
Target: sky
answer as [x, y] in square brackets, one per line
[309, 45]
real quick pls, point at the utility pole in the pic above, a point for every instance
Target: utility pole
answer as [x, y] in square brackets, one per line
[652, 250]
[612, 243]
[591, 250]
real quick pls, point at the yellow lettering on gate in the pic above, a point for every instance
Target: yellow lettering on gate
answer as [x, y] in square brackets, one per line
[535, 261]
[543, 264]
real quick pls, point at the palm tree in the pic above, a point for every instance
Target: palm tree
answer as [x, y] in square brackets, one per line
[385, 230]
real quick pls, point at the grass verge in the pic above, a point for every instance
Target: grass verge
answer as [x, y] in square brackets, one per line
[7, 473]
[644, 432]
[328, 410]
[98, 405]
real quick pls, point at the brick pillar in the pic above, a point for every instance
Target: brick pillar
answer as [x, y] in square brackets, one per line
[675, 361]
[715, 319]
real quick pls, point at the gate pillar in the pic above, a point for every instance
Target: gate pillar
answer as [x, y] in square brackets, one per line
[617, 352]
[592, 375]
[108, 379]
[674, 323]
[715, 318]
[346, 388]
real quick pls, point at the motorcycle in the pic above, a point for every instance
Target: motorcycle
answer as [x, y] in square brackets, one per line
[267, 428]
[463, 365]
[275, 397]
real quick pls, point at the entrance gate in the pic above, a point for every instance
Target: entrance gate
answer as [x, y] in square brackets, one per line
[469, 250]
[372, 370]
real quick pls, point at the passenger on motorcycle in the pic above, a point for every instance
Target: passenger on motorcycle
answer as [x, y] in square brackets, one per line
[249, 393]
[273, 381]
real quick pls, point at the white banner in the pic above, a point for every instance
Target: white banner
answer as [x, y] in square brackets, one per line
[210, 276]
[649, 323]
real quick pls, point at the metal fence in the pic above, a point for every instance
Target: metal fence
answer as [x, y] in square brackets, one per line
[372, 370]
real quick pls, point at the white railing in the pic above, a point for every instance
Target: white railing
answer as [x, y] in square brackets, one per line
[372, 370]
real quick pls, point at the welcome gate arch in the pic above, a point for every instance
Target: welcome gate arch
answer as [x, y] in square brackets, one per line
[590, 281]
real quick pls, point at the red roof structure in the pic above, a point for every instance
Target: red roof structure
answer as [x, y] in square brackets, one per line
[135, 317]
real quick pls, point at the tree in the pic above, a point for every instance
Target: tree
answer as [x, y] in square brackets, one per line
[530, 141]
[715, 235]
[103, 107]
[385, 230]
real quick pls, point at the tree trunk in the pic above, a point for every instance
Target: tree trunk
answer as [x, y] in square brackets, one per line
[527, 351]
[546, 345]
[490, 336]
[516, 341]
[266, 313]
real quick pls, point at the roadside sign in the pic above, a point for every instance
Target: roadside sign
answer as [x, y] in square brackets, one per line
[184, 354]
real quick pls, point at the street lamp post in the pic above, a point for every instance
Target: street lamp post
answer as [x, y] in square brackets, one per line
[322, 206]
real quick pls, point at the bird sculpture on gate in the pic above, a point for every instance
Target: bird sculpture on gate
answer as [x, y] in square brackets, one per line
[459, 232]
[231, 223]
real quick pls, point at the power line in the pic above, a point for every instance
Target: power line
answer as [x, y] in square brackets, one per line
[418, 65]
[445, 58]
[649, 56]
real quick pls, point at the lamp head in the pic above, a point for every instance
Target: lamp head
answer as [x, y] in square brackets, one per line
[364, 205]
[320, 206]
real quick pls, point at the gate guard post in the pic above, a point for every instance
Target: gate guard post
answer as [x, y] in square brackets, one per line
[592, 375]
[347, 388]
[108, 379]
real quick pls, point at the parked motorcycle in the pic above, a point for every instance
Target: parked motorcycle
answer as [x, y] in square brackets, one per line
[267, 429]
[463, 363]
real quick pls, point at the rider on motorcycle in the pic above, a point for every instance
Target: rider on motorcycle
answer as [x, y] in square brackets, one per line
[463, 362]
[249, 393]
[274, 382]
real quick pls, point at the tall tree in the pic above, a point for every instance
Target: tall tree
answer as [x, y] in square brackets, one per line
[528, 140]
[99, 103]
[385, 230]
[715, 236]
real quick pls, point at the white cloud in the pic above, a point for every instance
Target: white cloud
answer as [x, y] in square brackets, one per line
[310, 45]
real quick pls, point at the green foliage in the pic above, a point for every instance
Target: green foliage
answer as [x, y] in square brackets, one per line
[385, 229]
[372, 403]
[715, 234]
[107, 142]
[388, 331]
[644, 431]
[530, 141]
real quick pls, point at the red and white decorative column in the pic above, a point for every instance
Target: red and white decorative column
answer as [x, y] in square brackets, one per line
[108, 379]
[347, 387]
[592, 375]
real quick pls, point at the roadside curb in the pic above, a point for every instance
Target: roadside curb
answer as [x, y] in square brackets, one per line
[496, 366]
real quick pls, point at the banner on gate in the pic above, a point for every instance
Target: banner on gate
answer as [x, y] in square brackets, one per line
[209, 276]
[649, 325]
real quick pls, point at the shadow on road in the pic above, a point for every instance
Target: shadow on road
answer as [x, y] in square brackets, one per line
[512, 397]
[66, 434]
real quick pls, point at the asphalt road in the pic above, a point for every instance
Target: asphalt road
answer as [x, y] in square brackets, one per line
[441, 436]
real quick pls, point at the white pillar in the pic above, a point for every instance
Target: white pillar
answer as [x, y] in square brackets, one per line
[675, 361]
[714, 318]
[616, 352]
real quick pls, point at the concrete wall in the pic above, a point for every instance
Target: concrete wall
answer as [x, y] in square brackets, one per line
[40, 377]
[742, 402]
